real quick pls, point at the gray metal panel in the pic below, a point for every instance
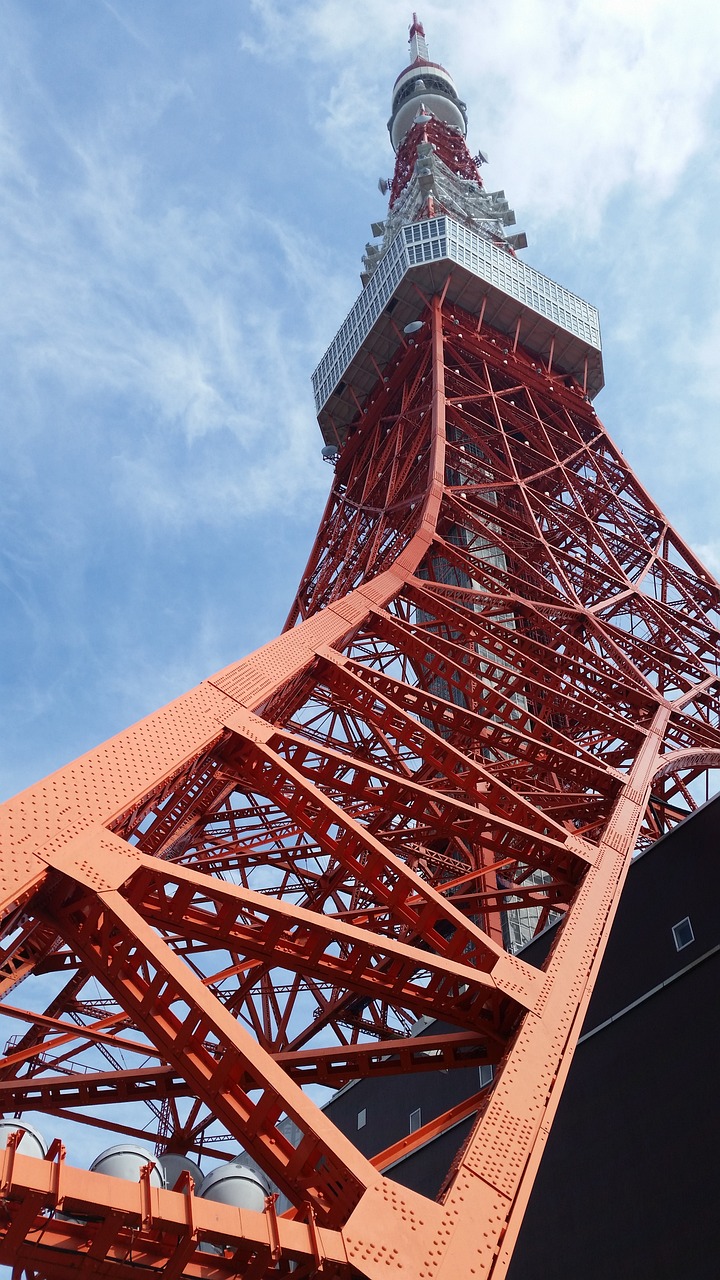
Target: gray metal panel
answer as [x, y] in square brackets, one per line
[422, 256]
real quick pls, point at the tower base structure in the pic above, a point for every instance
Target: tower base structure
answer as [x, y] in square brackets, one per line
[630, 1146]
[500, 678]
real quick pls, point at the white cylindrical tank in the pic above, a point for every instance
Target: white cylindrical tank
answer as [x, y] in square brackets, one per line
[126, 1161]
[32, 1143]
[172, 1166]
[236, 1184]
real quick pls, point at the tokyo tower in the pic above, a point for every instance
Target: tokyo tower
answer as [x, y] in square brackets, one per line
[499, 677]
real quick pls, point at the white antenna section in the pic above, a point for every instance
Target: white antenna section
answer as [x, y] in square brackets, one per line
[418, 46]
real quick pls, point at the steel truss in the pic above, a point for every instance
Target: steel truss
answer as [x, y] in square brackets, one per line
[500, 675]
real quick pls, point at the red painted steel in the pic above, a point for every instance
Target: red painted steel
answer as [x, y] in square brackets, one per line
[266, 883]
[500, 675]
[446, 143]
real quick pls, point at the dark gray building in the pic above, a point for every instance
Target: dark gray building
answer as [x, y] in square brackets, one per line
[629, 1186]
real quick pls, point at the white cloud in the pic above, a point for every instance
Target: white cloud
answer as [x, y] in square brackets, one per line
[181, 232]
[109, 293]
[575, 99]
[592, 96]
[709, 553]
[696, 352]
[131, 30]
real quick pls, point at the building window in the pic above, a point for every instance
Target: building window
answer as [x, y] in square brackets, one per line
[415, 1120]
[362, 1117]
[683, 934]
[486, 1074]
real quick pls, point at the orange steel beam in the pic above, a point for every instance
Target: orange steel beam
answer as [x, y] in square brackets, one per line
[99, 1031]
[142, 1229]
[330, 1066]
[501, 653]
[384, 1160]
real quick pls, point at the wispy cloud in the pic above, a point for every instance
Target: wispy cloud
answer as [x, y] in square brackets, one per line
[129, 27]
[199, 319]
[581, 97]
[184, 203]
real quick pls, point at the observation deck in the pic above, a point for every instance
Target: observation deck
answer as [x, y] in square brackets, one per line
[554, 324]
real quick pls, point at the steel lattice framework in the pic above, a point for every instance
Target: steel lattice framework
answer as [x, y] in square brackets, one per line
[500, 674]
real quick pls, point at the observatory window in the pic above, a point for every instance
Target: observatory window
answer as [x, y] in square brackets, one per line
[362, 1118]
[415, 1120]
[486, 1073]
[683, 934]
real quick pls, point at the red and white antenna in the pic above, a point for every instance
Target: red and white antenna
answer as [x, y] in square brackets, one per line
[418, 45]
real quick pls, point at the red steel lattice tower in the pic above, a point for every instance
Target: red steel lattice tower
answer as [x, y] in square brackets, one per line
[499, 675]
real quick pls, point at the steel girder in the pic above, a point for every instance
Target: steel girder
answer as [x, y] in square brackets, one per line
[500, 674]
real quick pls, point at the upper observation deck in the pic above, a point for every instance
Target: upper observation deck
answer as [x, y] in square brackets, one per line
[482, 277]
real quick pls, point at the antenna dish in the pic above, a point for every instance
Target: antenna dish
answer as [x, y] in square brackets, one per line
[383, 185]
[414, 327]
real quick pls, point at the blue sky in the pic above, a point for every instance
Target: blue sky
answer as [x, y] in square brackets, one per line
[185, 193]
